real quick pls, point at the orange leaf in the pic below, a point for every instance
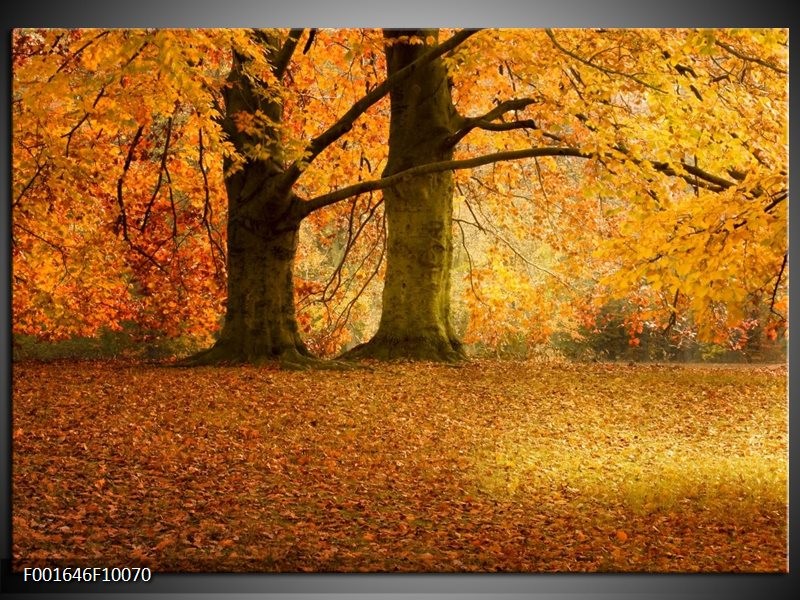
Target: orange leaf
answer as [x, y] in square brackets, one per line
[164, 543]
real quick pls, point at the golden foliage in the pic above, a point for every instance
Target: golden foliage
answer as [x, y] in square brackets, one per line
[119, 202]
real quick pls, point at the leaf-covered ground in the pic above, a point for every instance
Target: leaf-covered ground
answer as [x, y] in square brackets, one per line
[493, 466]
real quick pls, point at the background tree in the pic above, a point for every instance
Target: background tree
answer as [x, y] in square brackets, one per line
[116, 155]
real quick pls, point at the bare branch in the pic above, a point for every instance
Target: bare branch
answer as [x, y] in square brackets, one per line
[777, 285]
[174, 209]
[39, 168]
[77, 53]
[521, 256]
[100, 94]
[123, 218]
[469, 256]
[72, 131]
[673, 317]
[161, 170]
[344, 315]
[133, 56]
[352, 238]
[44, 240]
[207, 210]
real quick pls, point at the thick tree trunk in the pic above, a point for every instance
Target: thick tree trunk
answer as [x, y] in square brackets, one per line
[415, 319]
[260, 322]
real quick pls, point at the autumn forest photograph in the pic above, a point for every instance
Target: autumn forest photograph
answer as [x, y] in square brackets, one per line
[399, 300]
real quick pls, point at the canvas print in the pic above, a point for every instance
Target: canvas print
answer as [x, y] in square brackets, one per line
[392, 300]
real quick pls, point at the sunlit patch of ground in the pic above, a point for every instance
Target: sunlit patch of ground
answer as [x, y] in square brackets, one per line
[512, 466]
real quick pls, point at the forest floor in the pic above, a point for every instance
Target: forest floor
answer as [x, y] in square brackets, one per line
[491, 466]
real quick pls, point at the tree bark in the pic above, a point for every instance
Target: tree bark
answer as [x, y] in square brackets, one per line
[260, 323]
[415, 319]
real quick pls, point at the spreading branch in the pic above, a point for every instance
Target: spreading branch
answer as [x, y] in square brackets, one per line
[281, 62]
[485, 121]
[693, 174]
[305, 208]
[606, 70]
[345, 122]
[738, 54]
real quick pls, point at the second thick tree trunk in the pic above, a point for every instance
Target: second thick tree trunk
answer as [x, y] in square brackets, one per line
[415, 319]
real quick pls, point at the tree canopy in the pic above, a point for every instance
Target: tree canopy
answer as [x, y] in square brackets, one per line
[648, 166]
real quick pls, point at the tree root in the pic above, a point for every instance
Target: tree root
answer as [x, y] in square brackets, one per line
[218, 354]
[385, 348]
[294, 358]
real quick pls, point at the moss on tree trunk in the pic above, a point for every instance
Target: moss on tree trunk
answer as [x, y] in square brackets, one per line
[415, 318]
[260, 323]
[260, 319]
